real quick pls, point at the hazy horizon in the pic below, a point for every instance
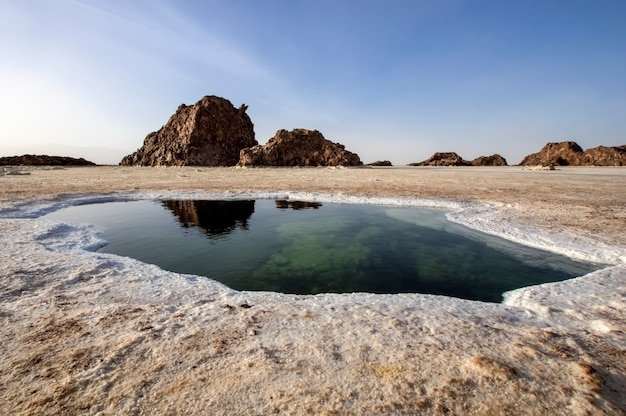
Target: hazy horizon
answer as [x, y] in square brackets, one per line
[392, 81]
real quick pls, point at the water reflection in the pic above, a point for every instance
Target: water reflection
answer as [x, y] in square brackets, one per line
[296, 205]
[220, 218]
[215, 218]
[341, 249]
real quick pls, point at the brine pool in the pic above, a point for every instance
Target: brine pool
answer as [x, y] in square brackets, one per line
[308, 247]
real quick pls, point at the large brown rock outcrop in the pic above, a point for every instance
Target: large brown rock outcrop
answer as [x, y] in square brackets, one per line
[43, 160]
[443, 159]
[299, 147]
[211, 132]
[493, 160]
[571, 154]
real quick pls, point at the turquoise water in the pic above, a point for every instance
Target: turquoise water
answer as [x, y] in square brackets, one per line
[309, 248]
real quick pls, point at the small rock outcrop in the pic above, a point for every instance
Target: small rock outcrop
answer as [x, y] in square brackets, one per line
[380, 163]
[443, 159]
[493, 160]
[299, 147]
[569, 153]
[211, 132]
[43, 160]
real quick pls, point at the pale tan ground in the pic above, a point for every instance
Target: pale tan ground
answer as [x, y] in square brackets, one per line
[79, 337]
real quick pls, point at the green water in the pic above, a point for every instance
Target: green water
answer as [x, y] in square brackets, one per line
[309, 248]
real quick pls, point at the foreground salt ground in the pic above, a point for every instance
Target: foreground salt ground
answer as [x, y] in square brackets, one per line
[85, 332]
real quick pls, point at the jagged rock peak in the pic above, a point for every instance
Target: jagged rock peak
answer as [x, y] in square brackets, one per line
[443, 159]
[210, 132]
[299, 147]
[493, 160]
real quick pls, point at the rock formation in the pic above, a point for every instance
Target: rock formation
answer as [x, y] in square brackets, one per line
[571, 154]
[606, 156]
[380, 163]
[493, 160]
[443, 159]
[43, 160]
[559, 154]
[211, 132]
[299, 147]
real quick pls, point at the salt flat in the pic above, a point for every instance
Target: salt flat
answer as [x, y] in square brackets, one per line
[85, 332]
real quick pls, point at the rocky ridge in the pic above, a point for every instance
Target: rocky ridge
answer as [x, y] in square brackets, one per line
[299, 147]
[453, 159]
[380, 163]
[209, 133]
[213, 132]
[43, 160]
[569, 153]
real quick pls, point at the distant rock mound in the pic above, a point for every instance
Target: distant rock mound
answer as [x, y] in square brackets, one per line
[606, 156]
[44, 160]
[299, 147]
[443, 159]
[493, 160]
[380, 163]
[211, 132]
[569, 153]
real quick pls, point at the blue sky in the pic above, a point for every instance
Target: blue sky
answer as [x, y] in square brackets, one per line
[396, 80]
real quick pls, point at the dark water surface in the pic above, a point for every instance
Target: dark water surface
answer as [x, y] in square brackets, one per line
[309, 248]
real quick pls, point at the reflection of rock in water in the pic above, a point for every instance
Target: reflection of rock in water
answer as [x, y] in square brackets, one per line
[216, 218]
[282, 204]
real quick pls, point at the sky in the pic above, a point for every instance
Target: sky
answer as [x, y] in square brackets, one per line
[391, 79]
